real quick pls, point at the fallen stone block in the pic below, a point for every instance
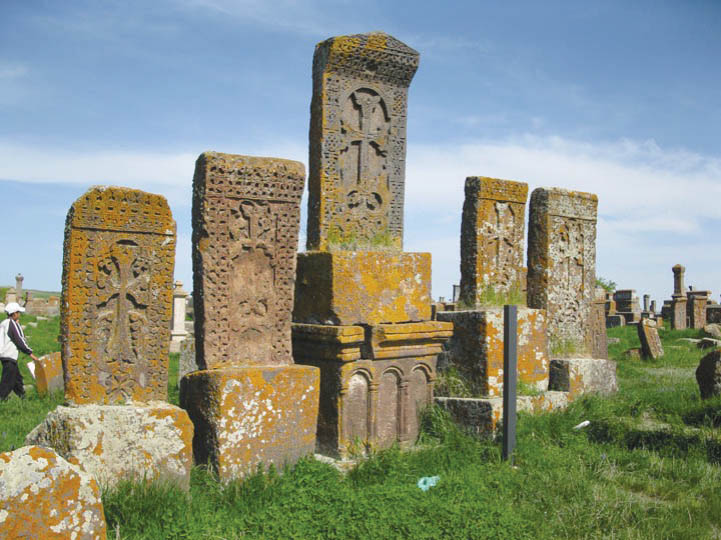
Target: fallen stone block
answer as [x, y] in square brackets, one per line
[708, 375]
[49, 373]
[582, 375]
[118, 442]
[44, 496]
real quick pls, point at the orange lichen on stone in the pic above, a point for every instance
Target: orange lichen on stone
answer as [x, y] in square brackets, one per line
[325, 342]
[49, 373]
[408, 339]
[119, 255]
[246, 416]
[44, 496]
[367, 287]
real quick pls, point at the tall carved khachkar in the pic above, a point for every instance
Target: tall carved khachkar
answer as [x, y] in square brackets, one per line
[358, 141]
[362, 306]
[248, 402]
[117, 296]
[562, 262]
[492, 238]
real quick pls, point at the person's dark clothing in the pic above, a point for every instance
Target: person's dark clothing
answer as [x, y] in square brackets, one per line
[12, 339]
[12, 379]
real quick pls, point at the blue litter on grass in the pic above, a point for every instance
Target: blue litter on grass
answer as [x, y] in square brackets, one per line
[428, 482]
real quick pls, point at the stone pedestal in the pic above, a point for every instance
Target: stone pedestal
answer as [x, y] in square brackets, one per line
[374, 381]
[49, 373]
[250, 416]
[582, 375]
[476, 347]
[362, 287]
[120, 442]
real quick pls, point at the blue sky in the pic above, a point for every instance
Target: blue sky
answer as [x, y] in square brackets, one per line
[617, 98]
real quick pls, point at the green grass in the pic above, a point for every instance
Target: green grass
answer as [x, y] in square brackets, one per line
[646, 467]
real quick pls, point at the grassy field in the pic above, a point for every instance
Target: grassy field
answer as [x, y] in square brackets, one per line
[647, 466]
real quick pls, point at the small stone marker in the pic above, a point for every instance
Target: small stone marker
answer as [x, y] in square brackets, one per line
[49, 373]
[708, 375]
[651, 346]
[43, 496]
[492, 238]
[118, 263]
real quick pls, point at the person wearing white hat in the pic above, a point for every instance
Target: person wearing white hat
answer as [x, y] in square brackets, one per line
[12, 338]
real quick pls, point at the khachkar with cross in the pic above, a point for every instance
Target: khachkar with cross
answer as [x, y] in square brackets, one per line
[118, 261]
[358, 142]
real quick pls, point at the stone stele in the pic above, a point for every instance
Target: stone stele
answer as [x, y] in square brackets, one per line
[492, 239]
[358, 142]
[49, 373]
[120, 442]
[118, 260]
[651, 346]
[246, 216]
[44, 496]
[562, 263]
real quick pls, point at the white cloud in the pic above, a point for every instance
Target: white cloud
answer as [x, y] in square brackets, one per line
[10, 71]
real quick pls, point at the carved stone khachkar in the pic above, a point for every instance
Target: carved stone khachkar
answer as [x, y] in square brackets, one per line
[678, 299]
[562, 263]
[117, 296]
[355, 272]
[249, 404]
[115, 327]
[492, 239]
[358, 141]
[651, 346]
[696, 308]
[599, 339]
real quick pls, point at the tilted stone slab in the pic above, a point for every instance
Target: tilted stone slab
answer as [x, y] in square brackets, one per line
[349, 288]
[49, 373]
[582, 375]
[118, 260]
[562, 263]
[651, 346]
[114, 442]
[245, 236]
[43, 496]
[492, 238]
[358, 142]
[708, 375]
[246, 416]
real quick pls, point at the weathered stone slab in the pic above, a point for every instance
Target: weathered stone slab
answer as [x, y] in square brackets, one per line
[44, 496]
[612, 321]
[492, 239]
[713, 314]
[678, 313]
[476, 347]
[407, 340]
[245, 236]
[349, 288]
[696, 308]
[118, 260]
[358, 142]
[246, 416]
[651, 346]
[713, 330]
[49, 373]
[708, 375]
[581, 375]
[114, 442]
[562, 263]
[325, 342]
[187, 362]
[599, 339]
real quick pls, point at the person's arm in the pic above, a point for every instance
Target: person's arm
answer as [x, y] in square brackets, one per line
[19, 340]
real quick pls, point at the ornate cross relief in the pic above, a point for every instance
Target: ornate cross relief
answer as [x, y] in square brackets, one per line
[570, 269]
[122, 318]
[501, 234]
[365, 130]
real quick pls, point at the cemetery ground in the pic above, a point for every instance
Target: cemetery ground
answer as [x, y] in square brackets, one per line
[647, 466]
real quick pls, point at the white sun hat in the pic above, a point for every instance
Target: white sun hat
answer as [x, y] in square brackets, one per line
[13, 307]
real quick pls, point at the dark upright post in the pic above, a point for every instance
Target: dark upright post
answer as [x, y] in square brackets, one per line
[510, 338]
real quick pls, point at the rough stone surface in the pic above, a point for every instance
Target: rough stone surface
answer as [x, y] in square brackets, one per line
[613, 321]
[349, 288]
[476, 347]
[651, 346]
[562, 263]
[713, 314]
[118, 261]
[599, 339]
[187, 362]
[713, 330]
[49, 373]
[114, 442]
[43, 496]
[492, 239]
[678, 313]
[245, 236]
[708, 375]
[696, 308]
[358, 142]
[581, 375]
[246, 416]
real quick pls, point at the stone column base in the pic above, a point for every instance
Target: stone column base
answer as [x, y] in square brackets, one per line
[250, 416]
[118, 442]
[581, 375]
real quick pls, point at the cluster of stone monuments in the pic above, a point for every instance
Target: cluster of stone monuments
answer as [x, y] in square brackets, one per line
[42, 307]
[333, 350]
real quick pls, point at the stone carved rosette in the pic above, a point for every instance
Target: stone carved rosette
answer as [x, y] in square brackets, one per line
[562, 263]
[245, 235]
[119, 255]
[358, 142]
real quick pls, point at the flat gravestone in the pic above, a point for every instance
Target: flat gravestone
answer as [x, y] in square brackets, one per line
[118, 260]
[562, 263]
[492, 239]
[358, 142]
[245, 235]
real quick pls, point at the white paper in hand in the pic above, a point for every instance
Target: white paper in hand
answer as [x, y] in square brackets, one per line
[31, 367]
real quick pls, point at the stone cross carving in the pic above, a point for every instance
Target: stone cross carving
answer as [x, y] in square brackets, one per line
[118, 263]
[357, 142]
